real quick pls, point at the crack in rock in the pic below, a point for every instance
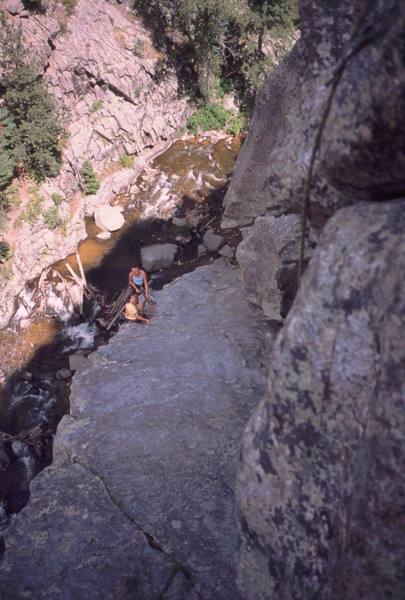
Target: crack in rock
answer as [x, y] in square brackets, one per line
[151, 540]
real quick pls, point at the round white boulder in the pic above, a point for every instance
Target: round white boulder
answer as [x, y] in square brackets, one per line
[109, 218]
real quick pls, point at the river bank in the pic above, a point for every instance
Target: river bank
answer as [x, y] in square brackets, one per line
[189, 181]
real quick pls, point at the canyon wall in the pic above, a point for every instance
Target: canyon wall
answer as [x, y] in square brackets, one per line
[320, 489]
[116, 100]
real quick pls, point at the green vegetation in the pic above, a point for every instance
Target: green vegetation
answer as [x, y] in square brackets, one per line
[57, 198]
[138, 91]
[9, 198]
[33, 209]
[97, 104]
[237, 123]
[7, 156]
[4, 251]
[218, 40]
[126, 161]
[51, 217]
[138, 49]
[89, 180]
[70, 6]
[30, 124]
[214, 116]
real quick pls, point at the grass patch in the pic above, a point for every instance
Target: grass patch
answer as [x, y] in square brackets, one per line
[138, 49]
[97, 104]
[214, 116]
[51, 217]
[57, 198]
[126, 161]
[33, 209]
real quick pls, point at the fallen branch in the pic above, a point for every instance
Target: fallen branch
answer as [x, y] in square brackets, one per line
[31, 436]
[79, 262]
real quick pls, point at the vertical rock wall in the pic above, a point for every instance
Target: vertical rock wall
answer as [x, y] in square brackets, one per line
[321, 488]
[361, 151]
[321, 484]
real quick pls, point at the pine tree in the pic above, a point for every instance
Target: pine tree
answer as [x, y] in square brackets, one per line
[30, 106]
[89, 180]
[7, 157]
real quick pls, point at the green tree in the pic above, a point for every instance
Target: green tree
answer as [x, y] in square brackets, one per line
[222, 39]
[7, 158]
[30, 106]
[89, 180]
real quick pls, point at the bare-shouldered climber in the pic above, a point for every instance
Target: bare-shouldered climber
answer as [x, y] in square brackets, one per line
[138, 281]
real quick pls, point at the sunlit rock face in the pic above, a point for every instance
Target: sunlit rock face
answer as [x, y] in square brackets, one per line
[364, 128]
[102, 68]
[361, 151]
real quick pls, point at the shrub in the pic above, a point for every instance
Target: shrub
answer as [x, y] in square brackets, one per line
[213, 116]
[89, 180]
[137, 91]
[70, 6]
[138, 49]
[126, 161]
[51, 217]
[4, 251]
[97, 104]
[33, 210]
[9, 198]
[57, 198]
[237, 123]
[62, 26]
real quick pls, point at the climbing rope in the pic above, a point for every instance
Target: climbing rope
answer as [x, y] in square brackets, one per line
[363, 34]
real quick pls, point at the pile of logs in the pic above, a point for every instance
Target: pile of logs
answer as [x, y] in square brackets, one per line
[118, 306]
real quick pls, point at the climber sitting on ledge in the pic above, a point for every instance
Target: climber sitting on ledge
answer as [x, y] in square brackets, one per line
[131, 311]
[138, 280]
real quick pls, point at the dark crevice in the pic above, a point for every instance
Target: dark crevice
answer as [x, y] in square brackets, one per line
[152, 542]
[111, 87]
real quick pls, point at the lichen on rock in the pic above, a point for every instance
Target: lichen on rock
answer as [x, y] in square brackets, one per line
[321, 485]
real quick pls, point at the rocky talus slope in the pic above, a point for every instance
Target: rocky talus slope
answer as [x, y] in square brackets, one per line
[321, 478]
[107, 77]
[139, 501]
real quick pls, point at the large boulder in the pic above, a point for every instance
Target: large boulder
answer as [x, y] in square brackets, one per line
[13, 6]
[361, 153]
[139, 502]
[268, 258]
[213, 241]
[158, 256]
[109, 218]
[321, 483]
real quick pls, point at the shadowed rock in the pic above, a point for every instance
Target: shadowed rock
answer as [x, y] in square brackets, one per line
[321, 487]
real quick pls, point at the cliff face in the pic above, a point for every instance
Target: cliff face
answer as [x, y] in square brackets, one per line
[106, 75]
[350, 58]
[321, 482]
[102, 68]
[320, 489]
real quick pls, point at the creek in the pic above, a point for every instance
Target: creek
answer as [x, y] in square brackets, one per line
[188, 181]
